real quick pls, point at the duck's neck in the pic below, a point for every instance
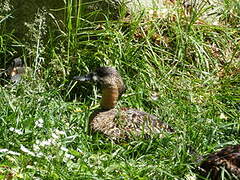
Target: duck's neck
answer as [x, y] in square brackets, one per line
[109, 98]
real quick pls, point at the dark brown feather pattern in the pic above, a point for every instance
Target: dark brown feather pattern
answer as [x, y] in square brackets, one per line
[126, 123]
[226, 159]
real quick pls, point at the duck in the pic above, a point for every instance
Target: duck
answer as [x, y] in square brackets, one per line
[227, 159]
[15, 70]
[119, 123]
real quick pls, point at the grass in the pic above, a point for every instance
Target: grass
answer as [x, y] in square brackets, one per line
[183, 71]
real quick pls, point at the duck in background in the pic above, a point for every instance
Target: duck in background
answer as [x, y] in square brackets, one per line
[122, 123]
[224, 162]
[14, 71]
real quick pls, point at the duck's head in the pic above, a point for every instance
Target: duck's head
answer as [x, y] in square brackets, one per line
[111, 83]
[15, 70]
[17, 62]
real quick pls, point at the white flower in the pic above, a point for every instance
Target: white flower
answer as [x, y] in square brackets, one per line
[6, 6]
[50, 157]
[39, 154]
[9, 152]
[13, 153]
[45, 143]
[36, 148]
[39, 123]
[64, 149]
[30, 167]
[24, 149]
[18, 131]
[68, 156]
[3, 150]
[222, 116]
[55, 136]
[60, 132]
[52, 141]
[38, 142]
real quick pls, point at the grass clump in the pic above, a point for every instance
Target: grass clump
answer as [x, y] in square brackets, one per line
[178, 68]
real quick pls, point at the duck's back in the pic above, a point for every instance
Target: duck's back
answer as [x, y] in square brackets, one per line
[124, 123]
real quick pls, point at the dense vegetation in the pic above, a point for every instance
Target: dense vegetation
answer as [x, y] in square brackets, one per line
[182, 69]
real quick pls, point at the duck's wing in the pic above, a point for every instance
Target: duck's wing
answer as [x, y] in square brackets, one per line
[124, 123]
[139, 122]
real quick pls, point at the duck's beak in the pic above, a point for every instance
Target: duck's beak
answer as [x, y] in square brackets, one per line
[87, 77]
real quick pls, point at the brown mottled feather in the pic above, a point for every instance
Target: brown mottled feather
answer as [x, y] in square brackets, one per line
[228, 158]
[126, 123]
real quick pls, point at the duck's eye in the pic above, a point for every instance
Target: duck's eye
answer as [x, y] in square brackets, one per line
[100, 74]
